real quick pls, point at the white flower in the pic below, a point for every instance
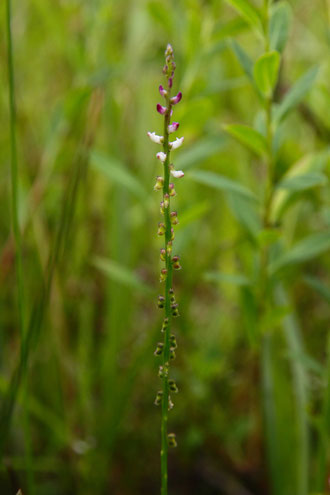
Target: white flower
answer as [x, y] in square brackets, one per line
[177, 174]
[161, 156]
[177, 143]
[155, 139]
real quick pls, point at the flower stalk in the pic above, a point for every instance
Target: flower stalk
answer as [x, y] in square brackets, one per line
[167, 302]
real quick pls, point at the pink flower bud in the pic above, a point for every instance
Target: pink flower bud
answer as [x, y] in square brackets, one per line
[173, 127]
[176, 98]
[177, 174]
[162, 91]
[160, 109]
[161, 156]
[170, 82]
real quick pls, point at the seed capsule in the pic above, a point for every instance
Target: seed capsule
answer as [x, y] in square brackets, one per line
[169, 248]
[161, 229]
[176, 263]
[173, 344]
[171, 439]
[172, 234]
[163, 371]
[172, 354]
[172, 190]
[163, 275]
[159, 183]
[166, 200]
[159, 398]
[172, 386]
[174, 218]
[161, 207]
[162, 254]
[165, 325]
[159, 349]
[170, 404]
[175, 310]
[161, 302]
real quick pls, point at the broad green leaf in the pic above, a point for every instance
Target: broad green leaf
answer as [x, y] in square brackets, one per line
[310, 166]
[307, 249]
[244, 60]
[118, 173]
[296, 94]
[249, 12]
[279, 26]
[220, 182]
[231, 278]
[121, 274]
[266, 72]
[248, 136]
[303, 181]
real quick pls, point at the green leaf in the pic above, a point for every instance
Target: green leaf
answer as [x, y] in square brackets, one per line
[266, 72]
[319, 286]
[118, 173]
[249, 12]
[244, 60]
[279, 26]
[307, 249]
[296, 94]
[248, 136]
[220, 182]
[121, 274]
[303, 181]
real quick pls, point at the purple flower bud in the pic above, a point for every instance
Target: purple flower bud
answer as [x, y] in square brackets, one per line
[160, 109]
[173, 127]
[170, 82]
[176, 98]
[162, 91]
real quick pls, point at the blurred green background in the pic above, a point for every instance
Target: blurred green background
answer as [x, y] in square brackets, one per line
[83, 421]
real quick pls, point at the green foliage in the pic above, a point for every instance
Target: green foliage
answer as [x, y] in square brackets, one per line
[265, 72]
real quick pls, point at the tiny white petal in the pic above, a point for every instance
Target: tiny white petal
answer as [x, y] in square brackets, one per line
[161, 156]
[177, 143]
[177, 174]
[154, 138]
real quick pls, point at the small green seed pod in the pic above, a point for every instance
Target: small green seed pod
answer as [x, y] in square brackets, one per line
[166, 200]
[174, 218]
[172, 386]
[172, 354]
[173, 344]
[161, 229]
[159, 349]
[171, 439]
[161, 302]
[163, 275]
[159, 398]
[162, 254]
[175, 310]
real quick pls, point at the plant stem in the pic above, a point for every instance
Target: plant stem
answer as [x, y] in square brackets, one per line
[14, 174]
[168, 313]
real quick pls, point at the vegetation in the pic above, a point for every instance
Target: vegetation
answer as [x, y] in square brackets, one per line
[78, 273]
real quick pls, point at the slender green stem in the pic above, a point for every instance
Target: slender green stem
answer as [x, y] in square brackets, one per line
[14, 173]
[168, 313]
